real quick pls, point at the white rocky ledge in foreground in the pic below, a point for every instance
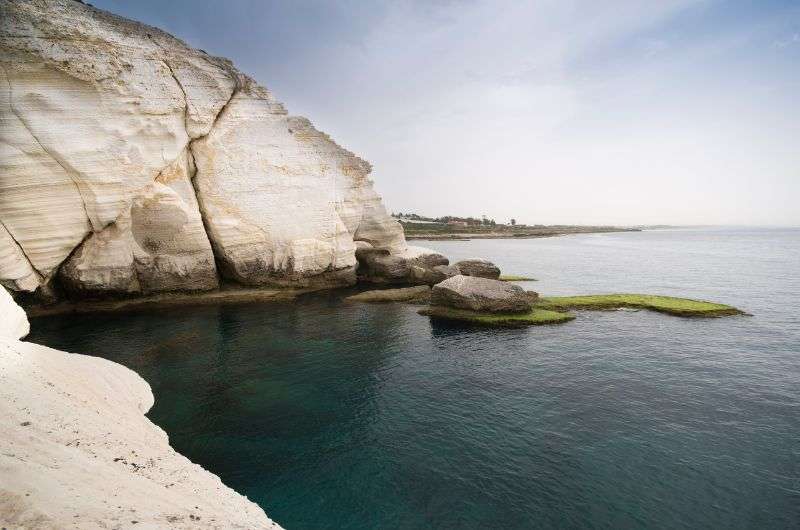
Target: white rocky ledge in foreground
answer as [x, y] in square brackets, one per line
[76, 450]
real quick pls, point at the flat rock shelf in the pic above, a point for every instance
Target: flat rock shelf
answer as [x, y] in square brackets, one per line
[555, 310]
[535, 317]
[683, 307]
[418, 294]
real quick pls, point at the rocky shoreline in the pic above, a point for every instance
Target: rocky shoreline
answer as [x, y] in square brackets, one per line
[478, 294]
[232, 295]
[77, 451]
[138, 165]
[143, 173]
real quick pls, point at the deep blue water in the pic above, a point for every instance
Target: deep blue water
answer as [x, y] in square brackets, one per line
[341, 415]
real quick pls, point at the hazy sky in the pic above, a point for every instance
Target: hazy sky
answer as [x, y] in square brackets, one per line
[551, 111]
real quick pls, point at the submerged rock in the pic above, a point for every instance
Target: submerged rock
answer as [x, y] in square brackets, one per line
[480, 294]
[683, 307]
[536, 317]
[417, 294]
[480, 268]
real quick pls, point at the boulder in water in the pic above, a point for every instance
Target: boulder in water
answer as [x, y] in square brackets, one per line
[480, 294]
[480, 268]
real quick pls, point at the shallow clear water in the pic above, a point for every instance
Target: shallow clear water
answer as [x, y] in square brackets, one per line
[342, 415]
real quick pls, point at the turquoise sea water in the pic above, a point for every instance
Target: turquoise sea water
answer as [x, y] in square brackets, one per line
[342, 415]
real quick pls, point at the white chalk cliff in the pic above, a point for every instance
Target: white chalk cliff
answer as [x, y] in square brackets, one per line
[13, 321]
[76, 450]
[133, 163]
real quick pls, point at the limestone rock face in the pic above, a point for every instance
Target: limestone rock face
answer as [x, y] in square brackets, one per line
[130, 162]
[157, 244]
[278, 195]
[13, 321]
[478, 267]
[480, 294]
[16, 272]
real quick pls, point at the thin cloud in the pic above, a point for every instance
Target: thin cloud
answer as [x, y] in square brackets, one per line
[789, 41]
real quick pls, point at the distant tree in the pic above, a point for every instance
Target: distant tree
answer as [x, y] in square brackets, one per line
[513, 222]
[493, 222]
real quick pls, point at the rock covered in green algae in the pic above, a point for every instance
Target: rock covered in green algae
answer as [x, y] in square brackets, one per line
[534, 317]
[554, 310]
[684, 307]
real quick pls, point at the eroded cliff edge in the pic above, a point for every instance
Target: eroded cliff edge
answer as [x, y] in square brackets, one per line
[76, 450]
[131, 163]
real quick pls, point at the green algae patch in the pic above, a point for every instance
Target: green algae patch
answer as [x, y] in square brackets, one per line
[535, 317]
[513, 278]
[682, 307]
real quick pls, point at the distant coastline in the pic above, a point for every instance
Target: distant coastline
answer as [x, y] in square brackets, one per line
[415, 231]
[451, 227]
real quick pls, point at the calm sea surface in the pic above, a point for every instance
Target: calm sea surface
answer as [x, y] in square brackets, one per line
[341, 415]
